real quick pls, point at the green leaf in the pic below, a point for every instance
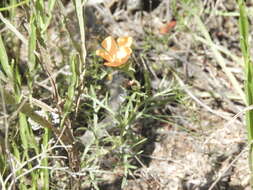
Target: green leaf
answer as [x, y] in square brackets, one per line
[4, 61]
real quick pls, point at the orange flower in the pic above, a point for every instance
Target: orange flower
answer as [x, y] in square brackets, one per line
[115, 53]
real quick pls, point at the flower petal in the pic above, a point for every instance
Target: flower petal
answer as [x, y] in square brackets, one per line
[124, 59]
[125, 41]
[110, 45]
[105, 55]
[123, 52]
[113, 64]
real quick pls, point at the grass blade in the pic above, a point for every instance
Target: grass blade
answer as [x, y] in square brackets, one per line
[4, 61]
[245, 47]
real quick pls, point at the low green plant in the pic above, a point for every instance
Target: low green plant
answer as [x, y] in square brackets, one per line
[248, 84]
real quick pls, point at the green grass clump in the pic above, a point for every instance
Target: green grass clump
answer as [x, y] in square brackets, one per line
[248, 84]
